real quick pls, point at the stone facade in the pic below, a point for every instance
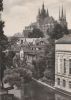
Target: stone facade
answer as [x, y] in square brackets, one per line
[63, 65]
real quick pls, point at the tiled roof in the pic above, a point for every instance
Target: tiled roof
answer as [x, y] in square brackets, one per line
[64, 40]
[45, 40]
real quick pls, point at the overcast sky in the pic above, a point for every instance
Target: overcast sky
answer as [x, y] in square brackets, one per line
[19, 13]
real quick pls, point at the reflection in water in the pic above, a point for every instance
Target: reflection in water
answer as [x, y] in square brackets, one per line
[34, 91]
[8, 97]
[61, 97]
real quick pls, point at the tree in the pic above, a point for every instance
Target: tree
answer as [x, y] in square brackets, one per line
[13, 40]
[9, 59]
[36, 33]
[57, 32]
[39, 67]
[3, 45]
[1, 5]
[16, 75]
[50, 56]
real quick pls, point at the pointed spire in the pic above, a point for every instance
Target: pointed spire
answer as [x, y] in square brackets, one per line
[65, 14]
[39, 12]
[43, 11]
[43, 5]
[47, 13]
[62, 15]
[59, 13]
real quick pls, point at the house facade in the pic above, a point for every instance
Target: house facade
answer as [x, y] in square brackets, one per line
[63, 64]
[33, 48]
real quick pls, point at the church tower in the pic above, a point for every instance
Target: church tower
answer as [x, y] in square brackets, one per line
[62, 17]
[42, 14]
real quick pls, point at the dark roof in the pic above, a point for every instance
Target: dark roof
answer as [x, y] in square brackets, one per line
[64, 40]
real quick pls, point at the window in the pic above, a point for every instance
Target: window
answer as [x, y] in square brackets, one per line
[21, 41]
[70, 84]
[64, 83]
[64, 65]
[58, 81]
[59, 65]
[69, 66]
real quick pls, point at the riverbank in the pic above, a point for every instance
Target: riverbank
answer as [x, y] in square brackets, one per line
[43, 83]
[2, 91]
[53, 87]
[16, 92]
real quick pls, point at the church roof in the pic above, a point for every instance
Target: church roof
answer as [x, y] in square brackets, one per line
[64, 40]
[48, 20]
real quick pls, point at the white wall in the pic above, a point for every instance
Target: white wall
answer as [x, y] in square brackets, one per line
[63, 47]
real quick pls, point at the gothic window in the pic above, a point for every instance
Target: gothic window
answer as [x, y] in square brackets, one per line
[64, 65]
[64, 83]
[70, 84]
[69, 66]
[58, 81]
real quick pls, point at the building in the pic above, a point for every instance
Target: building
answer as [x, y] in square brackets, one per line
[33, 49]
[63, 63]
[44, 21]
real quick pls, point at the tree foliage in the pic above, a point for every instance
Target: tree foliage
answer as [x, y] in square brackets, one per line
[3, 45]
[57, 32]
[1, 5]
[36, 33]
[13, 40]
[16, 75]
[9, 59]
[50, 54]
[39, 67]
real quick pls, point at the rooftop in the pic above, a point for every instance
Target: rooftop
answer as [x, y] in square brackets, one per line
[64, 40]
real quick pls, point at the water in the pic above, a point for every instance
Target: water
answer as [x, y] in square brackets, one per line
[35, 91]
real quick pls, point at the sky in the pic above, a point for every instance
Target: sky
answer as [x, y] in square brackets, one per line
[20, 13]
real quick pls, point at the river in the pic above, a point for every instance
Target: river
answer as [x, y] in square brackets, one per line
[35, 91]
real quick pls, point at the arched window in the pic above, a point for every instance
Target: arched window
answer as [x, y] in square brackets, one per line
[64, 65]
[70, 84]
[64, 83]
[59, 65]
[69, 66]
[58, 81]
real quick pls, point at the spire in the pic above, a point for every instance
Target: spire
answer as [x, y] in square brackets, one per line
[59, 13]
[47, 13]
[62, 15]
[43, 5]
[43, 11]
[39, 12]
[65, 14]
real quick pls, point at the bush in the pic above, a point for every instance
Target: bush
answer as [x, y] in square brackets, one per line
[16, 75]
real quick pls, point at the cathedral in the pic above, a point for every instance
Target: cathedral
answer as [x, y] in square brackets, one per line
[44, 21]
